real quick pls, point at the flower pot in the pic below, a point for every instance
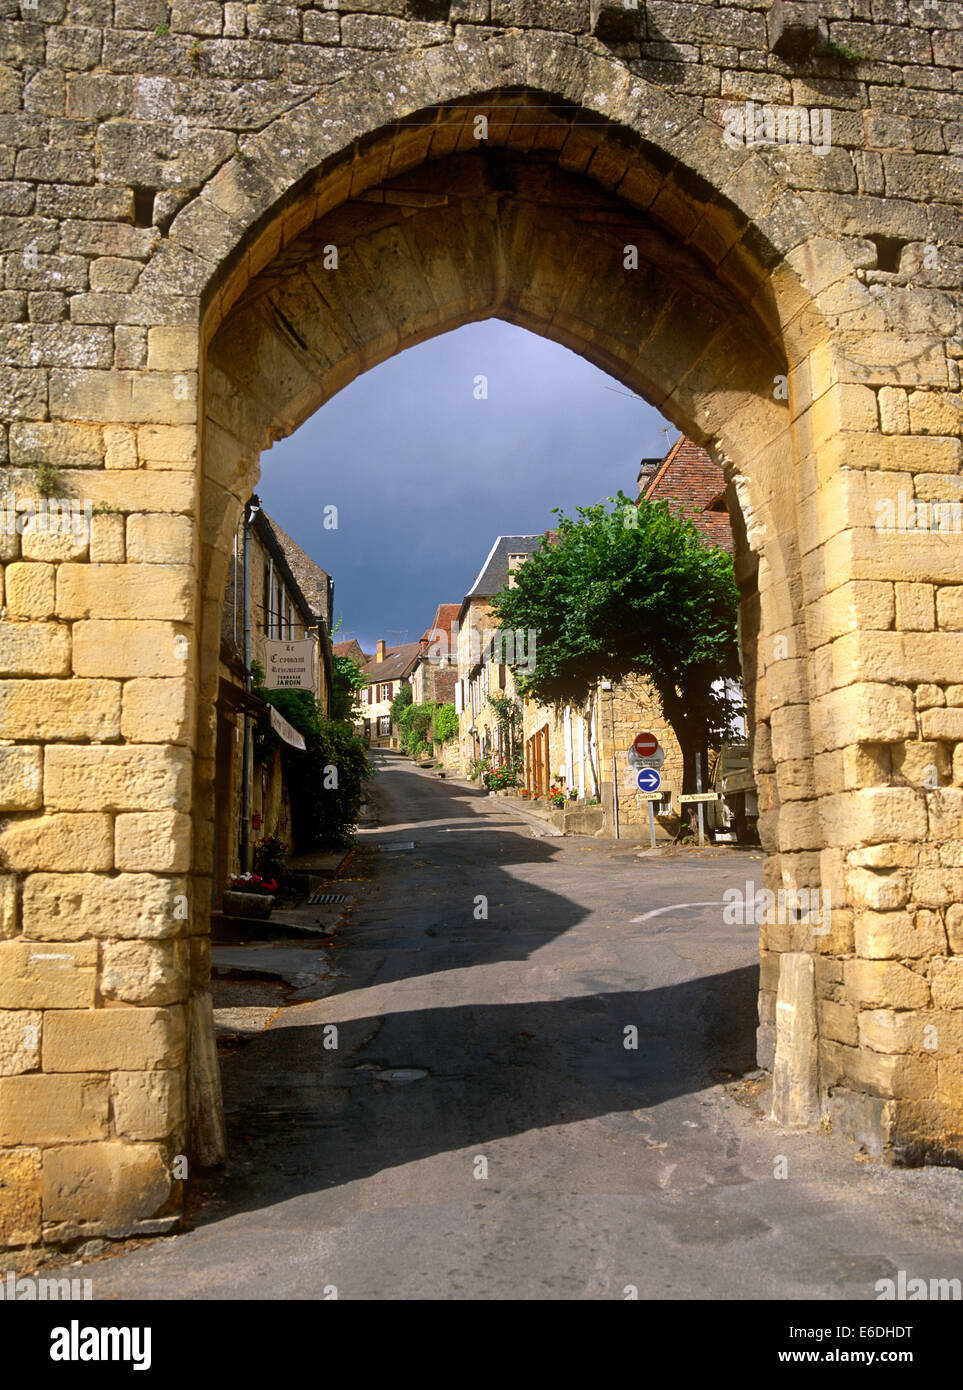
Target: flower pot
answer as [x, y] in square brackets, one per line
[248, 904]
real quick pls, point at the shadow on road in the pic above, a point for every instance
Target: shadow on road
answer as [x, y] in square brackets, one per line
[303, 1117]
[300, 1120]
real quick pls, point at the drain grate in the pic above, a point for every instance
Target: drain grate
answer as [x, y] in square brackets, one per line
[393, 849]
[317, 898]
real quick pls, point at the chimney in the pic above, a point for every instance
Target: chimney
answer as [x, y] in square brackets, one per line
[381, 649]
[647, 471]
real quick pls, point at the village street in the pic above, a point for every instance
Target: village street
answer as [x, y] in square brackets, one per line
[537, 1156]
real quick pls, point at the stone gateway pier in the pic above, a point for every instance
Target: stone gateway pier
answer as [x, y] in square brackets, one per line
[216, 215]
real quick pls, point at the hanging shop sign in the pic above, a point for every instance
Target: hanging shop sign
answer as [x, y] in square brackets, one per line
[289, 665]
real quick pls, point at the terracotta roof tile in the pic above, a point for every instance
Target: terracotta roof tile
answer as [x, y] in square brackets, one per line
[692, 481]
[398, 663]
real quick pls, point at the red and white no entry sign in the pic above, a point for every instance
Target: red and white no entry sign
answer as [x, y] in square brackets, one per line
[645, 745]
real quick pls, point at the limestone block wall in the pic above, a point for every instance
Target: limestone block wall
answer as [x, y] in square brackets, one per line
[628, 708]
[477, 619]
[173, 183]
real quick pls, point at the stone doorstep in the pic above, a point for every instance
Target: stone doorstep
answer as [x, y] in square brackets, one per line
[324, 864]
[296, 922]
[307, 970]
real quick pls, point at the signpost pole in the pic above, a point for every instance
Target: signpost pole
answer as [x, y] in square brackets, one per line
[615, 797]
[702, 836]
[645, 748]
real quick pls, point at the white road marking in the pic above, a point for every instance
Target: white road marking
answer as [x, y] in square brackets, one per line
[674, 907]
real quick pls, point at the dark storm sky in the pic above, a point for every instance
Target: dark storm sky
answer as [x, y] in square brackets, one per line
[424, 476]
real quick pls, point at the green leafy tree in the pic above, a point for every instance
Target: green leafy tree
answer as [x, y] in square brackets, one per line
[400, 703]
[630, 591]
[414, 724]
[445, 725]
[346, 681]
[326, 779]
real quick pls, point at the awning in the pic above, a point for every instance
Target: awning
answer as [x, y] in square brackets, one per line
[236, 698]
[285, 730]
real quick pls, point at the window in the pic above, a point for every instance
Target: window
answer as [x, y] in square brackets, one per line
[384, 725]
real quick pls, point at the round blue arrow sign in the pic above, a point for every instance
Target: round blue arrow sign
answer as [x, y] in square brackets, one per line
[649, 780]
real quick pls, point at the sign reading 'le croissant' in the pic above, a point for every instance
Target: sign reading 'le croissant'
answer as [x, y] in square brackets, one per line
[289, 665]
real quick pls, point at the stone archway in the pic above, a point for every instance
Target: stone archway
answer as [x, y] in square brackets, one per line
[853, 635]
[519, 227]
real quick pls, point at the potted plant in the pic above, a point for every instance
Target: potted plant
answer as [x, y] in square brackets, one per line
[269, 856]
[556, 798]
[249, 895]
[500, 778]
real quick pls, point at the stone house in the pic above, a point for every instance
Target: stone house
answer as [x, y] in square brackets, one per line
[588, 750]
[436, 668]
[694, 484]
[352, 650]
[435, 674]
[289, 598]
[384, 674]
[485, 656]
[585, 750]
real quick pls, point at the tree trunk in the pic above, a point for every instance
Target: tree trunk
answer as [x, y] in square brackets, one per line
[691, 736]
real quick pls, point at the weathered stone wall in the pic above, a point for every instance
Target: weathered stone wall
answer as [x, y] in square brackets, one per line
[629, 708]
[172, 179]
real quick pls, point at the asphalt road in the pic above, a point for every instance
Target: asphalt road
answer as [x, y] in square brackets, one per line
[538, 1156]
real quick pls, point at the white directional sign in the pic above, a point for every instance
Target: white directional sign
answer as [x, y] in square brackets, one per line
[287, 731]
[655, 759]
[701, 796]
